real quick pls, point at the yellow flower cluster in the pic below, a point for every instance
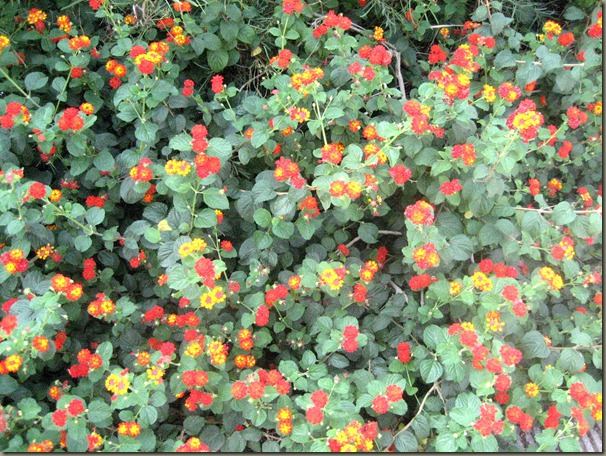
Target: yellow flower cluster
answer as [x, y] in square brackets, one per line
[552, 27]
[455, 288]
[4, 42]
[180, 167]
[532, 389]
[550, 276]
[117, 384]
[334, 279]
[194, 349]
[155, 374]
[351, 439]
[378, 34]
[468, 326]
[302, 80]
[44, 252]
[196, 245]
[212, 298]
[218, 352]
[489, 93]
[493, 321]
[481, 281]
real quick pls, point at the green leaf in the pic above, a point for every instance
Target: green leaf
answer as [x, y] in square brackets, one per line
[430, 370]
[339, 361]
[534, 223]
[146, 132]
[498, 22]
[570, 445]
[486, 444]
[533, 345]
[34, 81]
[527, 73]
[504, 59]
[406, 442]
[563, 214]
[8, 385]
[283, 229]
[76, 436]
[463, 416]
[460, 248]
[446, 443]
[95, 215]
[211, 42]
[181, 142]
[433, 335]
[570, 360]
[215, 198]
[82, 242]
[105, 350]
[29, 408]
[98, 412]
[573, 13]
[368, 232]
[262, 217]
[104, 161]
[217, 60]
[152, 235]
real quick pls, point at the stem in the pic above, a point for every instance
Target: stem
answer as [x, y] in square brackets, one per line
[434, 387]
[25, 94]
[547, 211]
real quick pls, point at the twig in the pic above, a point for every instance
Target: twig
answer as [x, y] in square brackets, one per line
[398, 290]
[565, 65]
[444, 26]
[435, 386]
[577, 347]
[357, 238]
[547, 211]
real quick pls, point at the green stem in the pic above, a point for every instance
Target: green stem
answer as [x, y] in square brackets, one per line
[25, 94]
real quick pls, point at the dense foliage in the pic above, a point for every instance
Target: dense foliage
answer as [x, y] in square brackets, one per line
[268, 227]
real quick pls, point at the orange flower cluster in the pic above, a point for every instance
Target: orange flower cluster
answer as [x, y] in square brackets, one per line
[368, 271]
[41, 343]
[284, 417]
[176, 35]
[565, 249]
[129, 428]
[14, 111]
[118, 71]
[142, 172]
[79, 42]
[309, 207]
[11, 363]
[87, 361]
[245, 361]
[36, 18]
[517, 416]
[283, 59]
[70, 120]
[332, 153]
[595, 30]
[147, 60]
[466, 152]
[354, 437]
[102, 306]
[420, 213]
[4, 42]
[487, 424]
[509, 92]
[14, 261]
[302, 82]
[287, 169]
[526, 120]
[46, 446]
[419, 122]
[426, 256]
[245, 339]
[274, 294]
[193, 444]
[332, 20]
[62, 284]
[481, 281]
[400, 174]
[378, 55]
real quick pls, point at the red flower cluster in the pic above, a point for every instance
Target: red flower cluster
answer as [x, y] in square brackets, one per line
[87, 361]
[292, 6]
[564, 150]
[188, 88]
[14, 109]
[287, 169]
[381, 403]
[466, 152]
[451, 187]
[62, 284]
[262, 315]
[277, 293]
[96, 201]
[282, 59]
[142, 172]
[426, 256]
[420, 213]
[595, 30]
[314, 414]
[400, 174]
[378, 55]
[565, 249]
[135, 262]
[350, 341]
[255, 384]
[487, 423]
[576, 117]
[332, 153]
[421, 281]
[359, 292]
[206, 270]
[511, 293]
[309, 207]
[566, 39]
[404, 352]
[332, 20]
[436, 54]
[517, 416]
[478, 40]
[216, 84]
[193, 444]
[500, 270]
[89, 271]
[511, 356]
[118, 71]
[534, 186]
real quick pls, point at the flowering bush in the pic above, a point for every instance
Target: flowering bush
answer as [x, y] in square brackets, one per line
[339, 254]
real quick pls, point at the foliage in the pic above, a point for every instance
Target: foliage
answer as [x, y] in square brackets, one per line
[316, 255]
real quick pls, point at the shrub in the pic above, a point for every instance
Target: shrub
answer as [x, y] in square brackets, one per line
[323, 256]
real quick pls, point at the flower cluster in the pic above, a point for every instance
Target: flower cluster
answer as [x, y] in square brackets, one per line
[14, 261]
[142, 172]
[255, 384]
[466, 152]
[287, 169]
[332, 20]
[333, 277]
[487, 424]
[426, 256]
[354, 437]
[525, 120]
[102, 306]
[551, 277]
[62, 284]
[15, 112]
[382, 402]
[350, 338]
[284, 417]
[420, 213]
[146, 61]
[303, 82]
